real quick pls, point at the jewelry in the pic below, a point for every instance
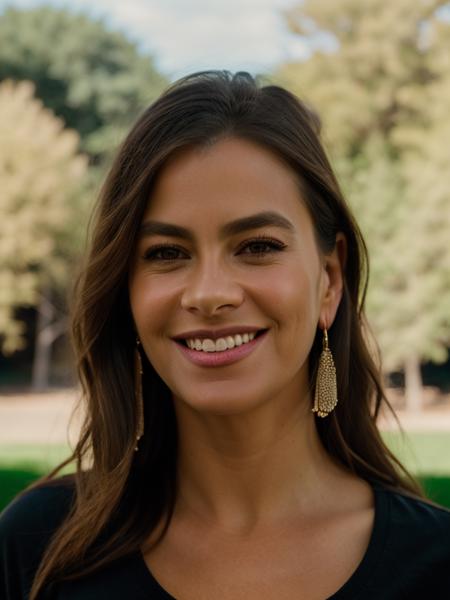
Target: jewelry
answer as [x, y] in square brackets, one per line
[138, 393]
[325, 396]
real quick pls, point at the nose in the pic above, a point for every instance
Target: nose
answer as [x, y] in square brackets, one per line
[211, 289]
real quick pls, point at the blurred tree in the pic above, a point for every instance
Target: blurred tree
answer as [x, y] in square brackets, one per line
[93, 78]
[41, 206]
[426, 169]
[96, 82]
[379, 75]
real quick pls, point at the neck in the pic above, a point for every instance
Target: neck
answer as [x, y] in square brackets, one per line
[238, 471]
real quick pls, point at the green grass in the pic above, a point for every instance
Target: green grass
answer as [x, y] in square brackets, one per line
[426, 455]
[437, 488]
[13, 481]
[422, 453]
[21, 464]
[35, 456]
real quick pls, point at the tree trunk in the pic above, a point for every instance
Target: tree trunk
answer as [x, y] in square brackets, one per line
[42, 347]
[47, 331]
[413, 384]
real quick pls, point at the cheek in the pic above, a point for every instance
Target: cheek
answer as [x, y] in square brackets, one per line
[151, 310]
[151, 304]
[288, 294]
[290, 300]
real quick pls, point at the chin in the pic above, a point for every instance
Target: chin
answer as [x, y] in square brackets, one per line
[220, 405]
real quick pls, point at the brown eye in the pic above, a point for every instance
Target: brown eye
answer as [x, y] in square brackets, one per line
[260, 247]
[162, 253]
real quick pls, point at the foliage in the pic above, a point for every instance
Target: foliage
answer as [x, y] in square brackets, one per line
[96, 82]
[380, 78]
[40, 170]
[92, 78]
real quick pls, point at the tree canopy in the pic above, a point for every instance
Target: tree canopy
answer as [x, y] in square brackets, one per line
[90, 83]
[40, 169]
[93, 78]
[379, 76]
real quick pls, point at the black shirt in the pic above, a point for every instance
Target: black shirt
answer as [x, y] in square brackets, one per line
[408, 555]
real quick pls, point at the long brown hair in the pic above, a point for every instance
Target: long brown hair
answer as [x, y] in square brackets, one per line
[123, 496]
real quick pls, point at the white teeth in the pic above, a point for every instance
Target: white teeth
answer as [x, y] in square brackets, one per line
[230, 342]
[221, 344]
[208, 346]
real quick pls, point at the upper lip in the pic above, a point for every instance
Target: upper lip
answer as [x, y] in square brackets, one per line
[215, 334]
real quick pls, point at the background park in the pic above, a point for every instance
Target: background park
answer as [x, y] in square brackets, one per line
[73, 80]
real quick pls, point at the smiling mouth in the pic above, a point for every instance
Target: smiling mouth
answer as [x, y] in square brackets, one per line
[184, 342]
[208, 357]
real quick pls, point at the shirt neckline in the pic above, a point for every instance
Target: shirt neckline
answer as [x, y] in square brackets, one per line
[362, 575]
[355, 584]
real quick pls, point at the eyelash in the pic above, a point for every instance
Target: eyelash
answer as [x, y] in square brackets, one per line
[275, 245]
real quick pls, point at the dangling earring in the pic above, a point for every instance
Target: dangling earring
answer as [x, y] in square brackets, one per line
[138, 393]
[325, 396]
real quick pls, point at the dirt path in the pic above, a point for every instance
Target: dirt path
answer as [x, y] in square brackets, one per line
[38, 418]
[44, 418]
[436, 418]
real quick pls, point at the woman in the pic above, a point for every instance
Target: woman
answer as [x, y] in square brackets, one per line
[230, 447]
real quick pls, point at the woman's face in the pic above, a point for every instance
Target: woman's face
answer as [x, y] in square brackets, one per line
[214, 272]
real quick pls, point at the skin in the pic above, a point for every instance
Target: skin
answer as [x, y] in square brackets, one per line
[250, 462]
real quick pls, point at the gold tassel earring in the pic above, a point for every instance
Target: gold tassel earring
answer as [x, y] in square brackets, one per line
[138, 393]
[325, 396]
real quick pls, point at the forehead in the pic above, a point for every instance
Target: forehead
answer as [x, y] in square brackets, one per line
[233, 177]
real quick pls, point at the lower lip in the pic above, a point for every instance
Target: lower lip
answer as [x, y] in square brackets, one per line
[218, 359]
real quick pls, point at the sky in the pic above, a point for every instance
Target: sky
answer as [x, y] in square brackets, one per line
[190, 35]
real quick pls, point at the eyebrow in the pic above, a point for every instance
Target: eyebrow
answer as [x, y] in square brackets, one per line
[256, 221]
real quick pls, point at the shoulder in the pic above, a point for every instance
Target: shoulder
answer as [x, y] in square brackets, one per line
[416, 528]
[26, 527]
[416, 513]
[38, 509]
[409, 551]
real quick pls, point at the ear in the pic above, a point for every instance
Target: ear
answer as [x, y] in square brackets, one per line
[334, 268]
